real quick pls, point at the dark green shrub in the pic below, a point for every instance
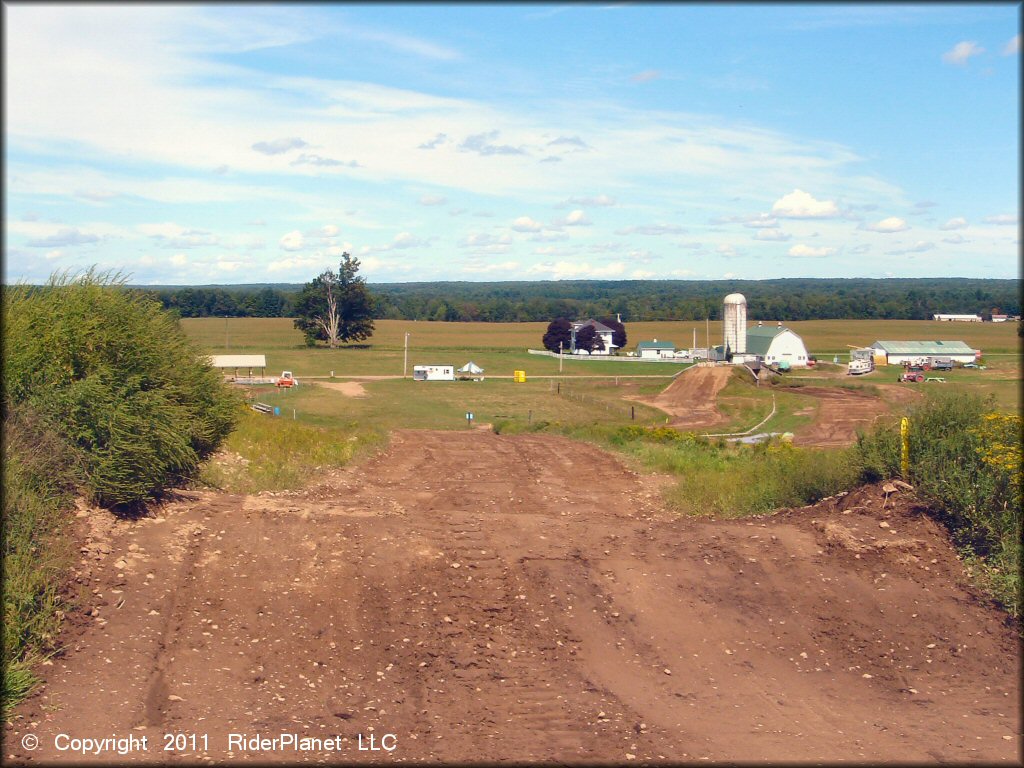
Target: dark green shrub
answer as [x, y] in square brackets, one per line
[113, 374]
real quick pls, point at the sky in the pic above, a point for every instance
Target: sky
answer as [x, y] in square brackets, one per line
[199, 144]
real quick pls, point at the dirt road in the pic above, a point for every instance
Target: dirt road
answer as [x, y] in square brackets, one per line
[691, 399]
[487, 598]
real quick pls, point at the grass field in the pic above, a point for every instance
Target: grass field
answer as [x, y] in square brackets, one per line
[500, 348]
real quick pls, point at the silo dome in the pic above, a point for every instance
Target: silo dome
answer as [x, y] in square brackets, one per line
[735, 298]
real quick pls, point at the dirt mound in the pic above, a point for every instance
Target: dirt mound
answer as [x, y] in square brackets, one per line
[690, 400]
[488, 597]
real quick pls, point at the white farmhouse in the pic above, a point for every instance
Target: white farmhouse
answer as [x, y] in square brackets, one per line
[776, 344]
[603, 331]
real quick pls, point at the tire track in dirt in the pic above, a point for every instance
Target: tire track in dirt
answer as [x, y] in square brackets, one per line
[489, 598]
[690, 400]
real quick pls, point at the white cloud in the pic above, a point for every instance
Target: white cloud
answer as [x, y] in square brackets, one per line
[562, 270]
[504, 266]
[1003, 219]
[654, 230]
[955, 239]
[801, 205]
[279, 146]
[642, 274]
[63, 237]
[961, 52]
[526, 224]
[776, 235]
[296, 263]
[577, 218]
[802, 251]
[726, 250]
[599, 201]
[433, 200]
[888, 225]
[54, 254]
[1012, 48]
[406, 240]
[483, 239]
[958, 222]
[179, 259]
[330, 230]
[646, 76]
[293, 241]
[919, 247]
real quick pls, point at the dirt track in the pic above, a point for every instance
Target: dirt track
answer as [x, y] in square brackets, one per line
[488, 597]
[690, 399]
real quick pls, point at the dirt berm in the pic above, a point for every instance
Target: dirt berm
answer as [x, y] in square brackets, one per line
[489, 598]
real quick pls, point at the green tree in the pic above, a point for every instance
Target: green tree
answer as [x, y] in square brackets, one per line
[558, 335]
[336, 307]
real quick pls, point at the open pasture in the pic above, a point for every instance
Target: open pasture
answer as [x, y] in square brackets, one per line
[500, 348]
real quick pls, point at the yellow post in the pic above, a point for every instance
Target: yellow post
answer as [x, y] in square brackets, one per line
[905, 445]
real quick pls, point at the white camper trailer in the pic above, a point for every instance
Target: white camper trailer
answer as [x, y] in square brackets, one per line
[433, 373]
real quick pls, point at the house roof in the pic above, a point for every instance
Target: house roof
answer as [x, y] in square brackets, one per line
[600, 327]
[924, 347]
[655, 345]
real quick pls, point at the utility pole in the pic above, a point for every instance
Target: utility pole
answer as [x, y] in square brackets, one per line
[405, 356]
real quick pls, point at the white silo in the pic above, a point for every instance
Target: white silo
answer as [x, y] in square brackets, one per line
[735, 315]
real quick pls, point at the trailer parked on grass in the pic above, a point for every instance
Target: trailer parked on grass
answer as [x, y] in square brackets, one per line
[433, 373]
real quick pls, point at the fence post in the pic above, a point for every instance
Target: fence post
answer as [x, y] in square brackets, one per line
[904, 448]
[632, 412]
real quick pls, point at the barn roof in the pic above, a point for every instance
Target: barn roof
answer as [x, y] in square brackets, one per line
[924, 347]
[655, 345]
[760, 338]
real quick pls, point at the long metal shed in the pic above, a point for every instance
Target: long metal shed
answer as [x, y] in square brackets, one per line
[234, 362]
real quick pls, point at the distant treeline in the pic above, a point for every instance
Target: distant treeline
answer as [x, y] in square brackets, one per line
[635, 300]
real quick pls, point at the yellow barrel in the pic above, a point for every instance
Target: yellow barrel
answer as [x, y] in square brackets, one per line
[519, 377]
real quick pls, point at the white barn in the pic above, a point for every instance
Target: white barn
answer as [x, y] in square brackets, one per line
[776, 344]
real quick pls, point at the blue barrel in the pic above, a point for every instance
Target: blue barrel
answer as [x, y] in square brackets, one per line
[277, 410]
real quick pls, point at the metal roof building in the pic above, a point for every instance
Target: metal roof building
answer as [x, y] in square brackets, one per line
[898, 352]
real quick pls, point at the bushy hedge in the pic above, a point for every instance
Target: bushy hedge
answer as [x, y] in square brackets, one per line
[965, 460]
[112, 373]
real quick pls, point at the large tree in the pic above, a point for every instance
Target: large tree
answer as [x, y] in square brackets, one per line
[618, 332]
[589, 339]
[336, 307]
[559, 334]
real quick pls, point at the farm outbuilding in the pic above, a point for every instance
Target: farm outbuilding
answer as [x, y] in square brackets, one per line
[776, 344]
[656, 350]
[234, 363]
[900, 352]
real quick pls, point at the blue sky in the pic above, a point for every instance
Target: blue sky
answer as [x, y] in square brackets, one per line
[189, 144]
